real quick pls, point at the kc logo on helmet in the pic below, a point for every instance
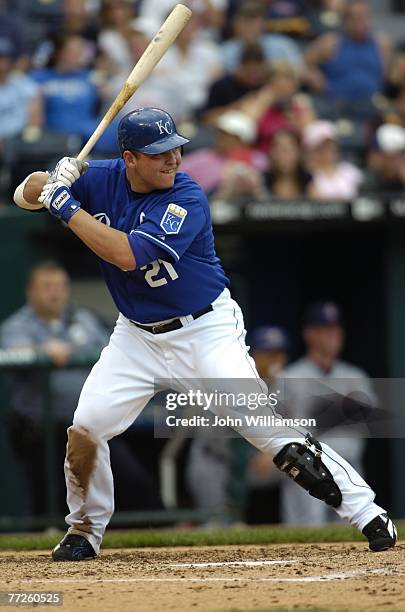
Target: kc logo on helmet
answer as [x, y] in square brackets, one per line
[164, 127]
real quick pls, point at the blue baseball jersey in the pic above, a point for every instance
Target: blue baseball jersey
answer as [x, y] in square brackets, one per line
[170, 232]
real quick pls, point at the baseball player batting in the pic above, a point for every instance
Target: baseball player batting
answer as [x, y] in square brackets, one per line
[177, 320]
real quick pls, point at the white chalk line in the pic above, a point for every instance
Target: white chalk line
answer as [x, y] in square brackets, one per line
[232, 563]
[382, 571]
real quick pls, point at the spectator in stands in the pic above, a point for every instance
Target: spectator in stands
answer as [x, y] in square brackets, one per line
[350, 67]
[321, 373]
[279, 105]
[190, 65]
[393, 110]
[211, 13]
[20, 103]
[249, 26]
[69, 94]
[286, 178]
[13, 28]
[75, 21]
[269, 349]
[326, 15]
[115, 25]
[51, 326]
[386, 161]
[231, 166]
[287, 16]
[333, 179]
[239, 88]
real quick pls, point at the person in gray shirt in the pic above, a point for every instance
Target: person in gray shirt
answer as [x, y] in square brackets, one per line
[314, 386]
[48, 324]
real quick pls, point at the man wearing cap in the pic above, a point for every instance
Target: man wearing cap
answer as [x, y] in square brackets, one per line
[178, 327]
[386, 161]
[231, 164]
[320, 373]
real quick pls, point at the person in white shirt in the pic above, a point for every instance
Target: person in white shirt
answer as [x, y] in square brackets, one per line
[211, 12]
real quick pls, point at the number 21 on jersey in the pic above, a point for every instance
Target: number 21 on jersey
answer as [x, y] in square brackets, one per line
[153, 272]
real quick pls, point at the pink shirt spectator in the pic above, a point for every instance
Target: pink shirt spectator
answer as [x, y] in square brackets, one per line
[342, 184]
[207, 166]
[333, 179]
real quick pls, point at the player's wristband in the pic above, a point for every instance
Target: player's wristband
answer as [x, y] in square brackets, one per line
[59, 201]
[71, 210]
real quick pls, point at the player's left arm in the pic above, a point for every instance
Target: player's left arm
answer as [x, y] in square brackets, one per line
[108, 243]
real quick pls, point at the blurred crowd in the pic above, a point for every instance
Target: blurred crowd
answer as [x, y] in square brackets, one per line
[282, 98]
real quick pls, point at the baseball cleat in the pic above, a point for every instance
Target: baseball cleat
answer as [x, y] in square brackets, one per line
[381, 533]
[73, 548]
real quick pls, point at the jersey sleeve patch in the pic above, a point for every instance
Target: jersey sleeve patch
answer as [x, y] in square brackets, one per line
[173, 219]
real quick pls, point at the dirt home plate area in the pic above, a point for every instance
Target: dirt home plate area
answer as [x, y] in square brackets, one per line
[264, 577]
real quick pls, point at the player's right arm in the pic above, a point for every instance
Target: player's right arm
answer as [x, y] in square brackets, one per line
[67, 170]
[27, 193]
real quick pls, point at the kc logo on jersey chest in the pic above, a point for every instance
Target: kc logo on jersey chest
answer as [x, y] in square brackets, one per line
[165, 127]
[173, 219]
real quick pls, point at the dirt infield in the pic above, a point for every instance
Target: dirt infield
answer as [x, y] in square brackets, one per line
[293, 576]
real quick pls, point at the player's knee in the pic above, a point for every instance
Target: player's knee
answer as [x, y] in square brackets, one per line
[98, 420]
[306, 467]
[83, 423]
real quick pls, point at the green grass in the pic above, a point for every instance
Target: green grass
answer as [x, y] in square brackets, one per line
[197, 537]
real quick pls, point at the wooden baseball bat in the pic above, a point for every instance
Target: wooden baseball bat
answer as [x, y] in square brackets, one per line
[154, 52]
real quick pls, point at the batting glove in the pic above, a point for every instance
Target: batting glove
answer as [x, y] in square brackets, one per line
[67, 170]
[59, 201]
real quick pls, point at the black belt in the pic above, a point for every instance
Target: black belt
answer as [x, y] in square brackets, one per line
[162, 328]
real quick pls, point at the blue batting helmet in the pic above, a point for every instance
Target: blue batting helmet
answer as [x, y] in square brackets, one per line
[148, 130]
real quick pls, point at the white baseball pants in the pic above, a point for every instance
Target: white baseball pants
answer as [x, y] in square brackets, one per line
[121, 384]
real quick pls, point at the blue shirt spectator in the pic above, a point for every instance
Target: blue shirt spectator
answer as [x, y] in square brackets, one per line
[69, 93]
[367, 54]
[70, 100]
[18, 94]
